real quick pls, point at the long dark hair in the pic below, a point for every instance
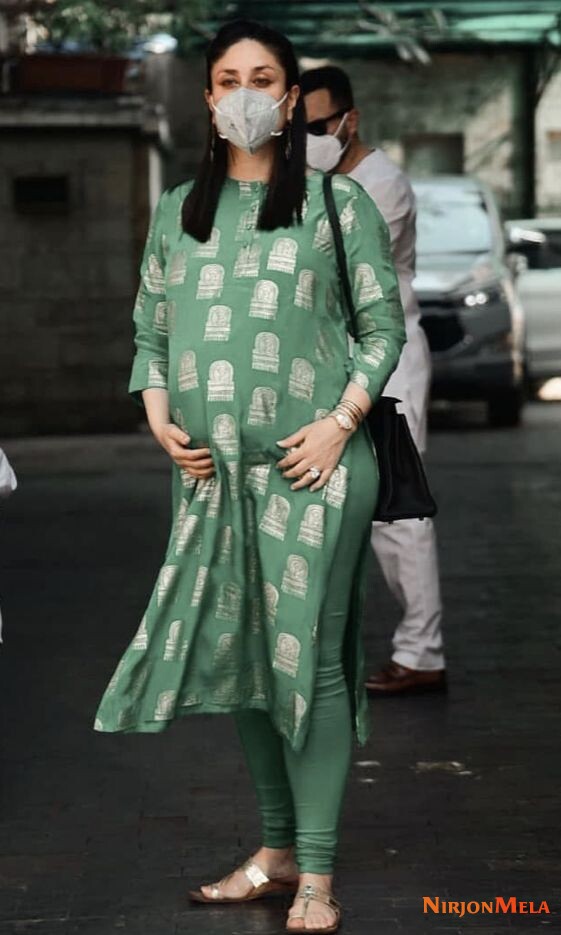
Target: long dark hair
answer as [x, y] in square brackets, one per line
[283, 203]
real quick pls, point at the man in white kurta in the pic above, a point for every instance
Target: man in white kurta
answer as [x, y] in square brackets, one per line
[406, 549]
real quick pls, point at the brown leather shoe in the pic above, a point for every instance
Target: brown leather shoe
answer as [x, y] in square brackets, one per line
[394, 679]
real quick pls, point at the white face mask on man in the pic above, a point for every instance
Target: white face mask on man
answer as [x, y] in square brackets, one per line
[247, 118]
[326, 151]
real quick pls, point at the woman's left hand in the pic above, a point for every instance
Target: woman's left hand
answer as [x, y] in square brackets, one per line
[320, 444]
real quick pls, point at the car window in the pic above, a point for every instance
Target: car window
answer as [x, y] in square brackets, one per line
[451, 221]
[546, 255]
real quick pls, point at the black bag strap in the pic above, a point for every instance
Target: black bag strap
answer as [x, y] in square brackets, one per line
[340, 253]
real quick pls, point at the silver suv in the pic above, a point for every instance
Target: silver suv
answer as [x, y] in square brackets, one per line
[471, 313]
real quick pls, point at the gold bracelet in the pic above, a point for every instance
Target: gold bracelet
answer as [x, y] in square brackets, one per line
[350, 402]
[353, 410]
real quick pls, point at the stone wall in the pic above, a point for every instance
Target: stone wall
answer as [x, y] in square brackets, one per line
[68, 280]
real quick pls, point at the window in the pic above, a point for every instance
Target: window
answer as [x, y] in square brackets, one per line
[41, 194]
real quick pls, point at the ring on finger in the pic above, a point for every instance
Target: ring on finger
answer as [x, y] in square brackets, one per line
[314, 471]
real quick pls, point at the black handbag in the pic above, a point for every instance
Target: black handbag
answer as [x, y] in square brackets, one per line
[403, 487]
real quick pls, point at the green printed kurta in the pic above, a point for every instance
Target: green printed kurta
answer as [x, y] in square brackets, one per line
[246, 331]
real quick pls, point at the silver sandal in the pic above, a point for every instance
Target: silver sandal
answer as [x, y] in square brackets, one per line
[261, 884]
[308, 892]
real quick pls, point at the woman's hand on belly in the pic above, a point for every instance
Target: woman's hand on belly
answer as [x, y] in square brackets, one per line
[196, 461]
[319, 444]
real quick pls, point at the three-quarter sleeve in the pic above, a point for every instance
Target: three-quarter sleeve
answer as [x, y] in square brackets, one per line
[150, 363]
[379, 317]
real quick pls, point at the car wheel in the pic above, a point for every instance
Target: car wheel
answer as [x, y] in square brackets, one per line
[505, 409]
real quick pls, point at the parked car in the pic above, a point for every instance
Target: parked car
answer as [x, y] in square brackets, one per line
[539, 286]
[471, 313]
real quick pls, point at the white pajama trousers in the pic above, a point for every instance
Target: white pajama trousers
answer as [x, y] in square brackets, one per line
[407, 548]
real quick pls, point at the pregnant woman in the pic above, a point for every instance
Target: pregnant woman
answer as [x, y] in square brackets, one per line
[242, 364]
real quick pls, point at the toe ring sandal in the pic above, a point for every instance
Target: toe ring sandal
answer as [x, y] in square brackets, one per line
[308, 892]
[262, 886]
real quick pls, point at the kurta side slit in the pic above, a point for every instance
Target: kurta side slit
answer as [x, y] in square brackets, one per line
[247, 333]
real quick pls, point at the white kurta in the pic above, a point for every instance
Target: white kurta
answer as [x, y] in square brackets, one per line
[391, 190]
[407, 550]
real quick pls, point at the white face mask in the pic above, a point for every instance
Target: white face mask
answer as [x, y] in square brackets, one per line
[326, 151]
[248, 118]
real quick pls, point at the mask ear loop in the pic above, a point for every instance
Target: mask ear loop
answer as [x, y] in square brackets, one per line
[278, 104]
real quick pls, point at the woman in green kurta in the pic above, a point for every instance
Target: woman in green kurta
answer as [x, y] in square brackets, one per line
[241, 356]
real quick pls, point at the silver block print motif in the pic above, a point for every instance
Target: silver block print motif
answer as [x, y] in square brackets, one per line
[233, 468]
[258, 682]
[271, 602]
[335, 490]
[347, 218]
[265, 354]
[158, 372]
[312, 526]
[154, 277]
[210, 247]
[215, 500]
[245, 190]
[140, 640]
[172, 316]
[252, 563]
[140, 300]
[229, 602]
[115, 677]
[205, 488]
[160, 320]
[200, 580]
[177, 268]
[376, 352]
[282, 256]
[369, 289]
[218, 323]
[165, 705]
[304, 294]
[341, 185]
[299, 707]
[320, 414]
[323, 349]
[295, 576]
[275, 518]
[265, 299]
[323, 236]
[211, 281]
[220, 385]
[225, 551]
[224, 433]
[263, 406]
[225, 651]
[187, 480]
[186, 528]
[165, 581]
[257, 477]
[187, 377]
[301, 379]
[287, 654]
[360, 378]
[247, 261]
[171, 647]
[256, 618]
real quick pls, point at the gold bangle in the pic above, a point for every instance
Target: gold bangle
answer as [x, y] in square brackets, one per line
[350, 402]
[355, 412]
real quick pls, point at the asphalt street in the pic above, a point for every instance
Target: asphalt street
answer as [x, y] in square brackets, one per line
[455, 796]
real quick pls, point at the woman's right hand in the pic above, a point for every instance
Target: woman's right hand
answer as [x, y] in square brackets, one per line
[196, 461]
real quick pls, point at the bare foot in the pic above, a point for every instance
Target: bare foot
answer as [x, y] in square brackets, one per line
[274, 862]
[318, 915]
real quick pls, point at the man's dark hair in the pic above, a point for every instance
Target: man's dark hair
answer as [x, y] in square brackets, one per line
[334, 80]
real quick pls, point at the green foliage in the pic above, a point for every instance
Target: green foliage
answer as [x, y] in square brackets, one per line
[112, 27]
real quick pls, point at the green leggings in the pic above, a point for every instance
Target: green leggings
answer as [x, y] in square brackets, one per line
[300, 794]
